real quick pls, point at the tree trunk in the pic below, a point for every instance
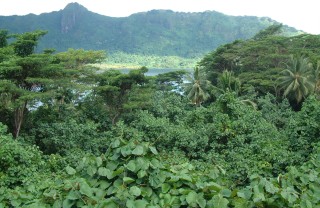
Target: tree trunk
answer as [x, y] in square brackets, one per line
[115, 119]
[18, 119]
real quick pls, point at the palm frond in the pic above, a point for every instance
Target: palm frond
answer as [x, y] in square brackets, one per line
[297, 78]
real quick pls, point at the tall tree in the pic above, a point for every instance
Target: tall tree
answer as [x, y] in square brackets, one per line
[228, 82]
[197, 87]
[114, 89]
[269, 31]
[3, 38]
[296, 79]
[26, 77]
[18, 75]
[78, 64]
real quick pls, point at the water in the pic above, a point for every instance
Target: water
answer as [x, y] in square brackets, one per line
[156, 71]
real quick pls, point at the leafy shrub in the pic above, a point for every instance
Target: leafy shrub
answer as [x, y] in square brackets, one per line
[245, 142]
[61, 137]
[304, 130]
[168, 105]
[277, 113]
[130, 174]
[18, 162]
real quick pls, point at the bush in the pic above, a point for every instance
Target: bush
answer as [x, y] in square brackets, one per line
[61, 137]
[18, 162]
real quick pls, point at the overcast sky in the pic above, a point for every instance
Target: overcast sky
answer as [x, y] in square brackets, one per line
[303, 15]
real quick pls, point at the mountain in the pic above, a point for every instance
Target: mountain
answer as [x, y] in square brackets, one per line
[158, 32]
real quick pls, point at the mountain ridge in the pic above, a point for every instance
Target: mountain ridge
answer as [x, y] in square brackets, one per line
[154, 32]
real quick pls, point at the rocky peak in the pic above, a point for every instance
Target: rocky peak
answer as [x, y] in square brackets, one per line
[70, 16]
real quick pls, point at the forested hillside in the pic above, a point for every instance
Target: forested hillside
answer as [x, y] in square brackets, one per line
[260, 61]
[157, 32]
[243, 131]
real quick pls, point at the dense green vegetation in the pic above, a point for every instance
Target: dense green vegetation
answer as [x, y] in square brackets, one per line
[242, 132]
[157, 32]
[121, 60]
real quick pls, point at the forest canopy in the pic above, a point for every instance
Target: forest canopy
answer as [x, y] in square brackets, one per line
[241, 131]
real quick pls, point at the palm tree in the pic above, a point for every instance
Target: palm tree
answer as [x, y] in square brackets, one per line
[196, 87]
[297, 78]
[227, 82]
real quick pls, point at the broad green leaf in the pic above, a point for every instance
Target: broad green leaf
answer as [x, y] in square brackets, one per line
[102, 171]
[313, 176]
[131, 166]
[258, 194]
[270, 188]
[104, 184]
[112, 190]
[161, 176]
[142, 163]
[52, 194]
[201, 201]
[191, 197]
[254, 176]
[116, 143]
[142, 173]
[186, 177]
[134, 190]
[138, 150]
[289, 194]
[115, 156]
[85, 189]
[73, 195]
[213, 174]
[117, 172]
[136, 204]
[165, 187]
[16, 203]
[82, 204]
[99, 161]
[166, 198]
[70, 170]
[225, 192]
[119, 182]
[214, 186]
[112, 165]
[183, 191]
[220, 202]
[35, 203]
[182, 198]
[130, 204]
[153, 150]
[128, 179]
[91, 170]
[154, 181]
[67, 203]
[146, 191]
[108, 203]
[100, 193]
[31, 188]
[154, 163]
[306, 204]
[241, 203]
[126, 150]
[57, 204]
[174, 178]
[141, 203]
[245, 193]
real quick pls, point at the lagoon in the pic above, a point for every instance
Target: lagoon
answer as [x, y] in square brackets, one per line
[156, 71]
